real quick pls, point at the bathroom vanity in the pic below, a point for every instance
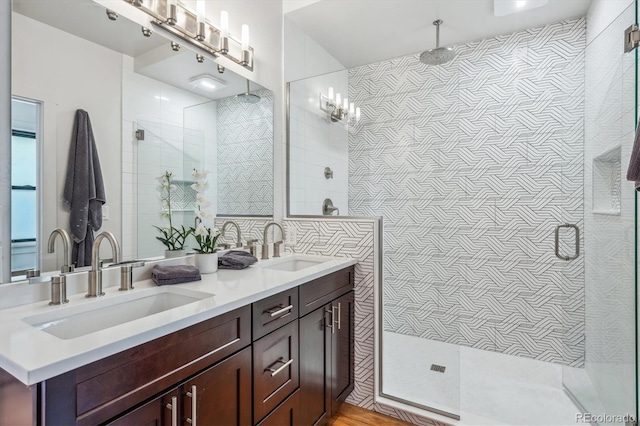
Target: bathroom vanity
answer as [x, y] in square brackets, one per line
[268, 341]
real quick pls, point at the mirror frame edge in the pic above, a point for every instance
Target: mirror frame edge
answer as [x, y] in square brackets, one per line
[5, 147]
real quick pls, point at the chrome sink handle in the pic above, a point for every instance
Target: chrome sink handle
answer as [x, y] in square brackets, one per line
[126, 275]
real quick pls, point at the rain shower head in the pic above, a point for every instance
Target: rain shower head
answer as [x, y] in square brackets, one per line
[439, 55]
[248, 98]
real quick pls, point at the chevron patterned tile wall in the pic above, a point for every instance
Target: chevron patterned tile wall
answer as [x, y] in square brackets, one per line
[245, 156]
[472, 165]
[250, 229]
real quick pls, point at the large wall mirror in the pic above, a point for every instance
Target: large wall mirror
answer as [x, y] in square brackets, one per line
[153, 108]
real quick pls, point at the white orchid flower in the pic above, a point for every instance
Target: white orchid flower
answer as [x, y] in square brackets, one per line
[206, 215]
[202, 201]
[201, 230]
[199, 176]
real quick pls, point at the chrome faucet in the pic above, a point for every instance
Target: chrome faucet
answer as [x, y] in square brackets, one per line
[238, 234]
[276, 244]
[95, 274]
[66, 244]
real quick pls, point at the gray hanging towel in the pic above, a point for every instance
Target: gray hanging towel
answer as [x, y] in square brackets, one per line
[83, 189]
[633, 173]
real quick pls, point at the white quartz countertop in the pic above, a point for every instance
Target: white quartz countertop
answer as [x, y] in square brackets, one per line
[33, 355]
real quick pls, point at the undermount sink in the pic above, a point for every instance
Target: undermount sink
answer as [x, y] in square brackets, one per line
[76, 321]
[295, 264]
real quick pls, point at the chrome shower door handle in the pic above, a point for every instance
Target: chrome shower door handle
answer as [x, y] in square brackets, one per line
[577, 234]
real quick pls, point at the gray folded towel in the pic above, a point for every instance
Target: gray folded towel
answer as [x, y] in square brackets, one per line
[633, 173]
[236, 259]
[167, 275]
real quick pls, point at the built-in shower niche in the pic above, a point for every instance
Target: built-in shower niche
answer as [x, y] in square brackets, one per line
[607, 182]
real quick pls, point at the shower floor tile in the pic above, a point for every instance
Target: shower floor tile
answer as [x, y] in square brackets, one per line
[483, 387]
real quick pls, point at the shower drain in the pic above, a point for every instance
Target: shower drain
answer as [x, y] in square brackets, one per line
[438, 368]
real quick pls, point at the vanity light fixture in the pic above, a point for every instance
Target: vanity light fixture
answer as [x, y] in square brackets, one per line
[192, 27]
[207, 82]
[339, 109]
[146, 32]
[199, 58]
[175, 46]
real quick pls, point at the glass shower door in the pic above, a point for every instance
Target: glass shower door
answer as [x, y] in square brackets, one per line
[605, 382]
[169, 148]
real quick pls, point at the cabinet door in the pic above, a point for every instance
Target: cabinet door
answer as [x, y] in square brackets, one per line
[162, 411]
[315, 365]
[342, 352]
[286, 414]
[220, 395]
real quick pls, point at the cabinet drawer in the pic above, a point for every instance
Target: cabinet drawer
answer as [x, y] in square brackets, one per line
[274, 312]
[275, 369]
[286, 414]
[323, 290]
[110, 386]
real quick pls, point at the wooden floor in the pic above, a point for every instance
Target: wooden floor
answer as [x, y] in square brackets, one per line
[350, 415]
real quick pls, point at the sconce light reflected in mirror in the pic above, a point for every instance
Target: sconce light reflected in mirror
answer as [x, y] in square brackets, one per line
[339, 109]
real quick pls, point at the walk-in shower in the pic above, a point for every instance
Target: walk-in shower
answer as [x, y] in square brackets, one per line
[507, 292]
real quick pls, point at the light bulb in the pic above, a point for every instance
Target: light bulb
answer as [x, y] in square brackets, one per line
[245, 37]
[338, 99]
[330, 95]
[352, 109]
[358, 114]
[345, 104]
[200, 9]
[224, 23]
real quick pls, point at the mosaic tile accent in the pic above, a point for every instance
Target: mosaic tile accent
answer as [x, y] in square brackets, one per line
[472, 164]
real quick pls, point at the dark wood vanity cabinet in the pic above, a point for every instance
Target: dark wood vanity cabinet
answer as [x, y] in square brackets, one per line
[327, 354]
[284, 360]
[220, 395]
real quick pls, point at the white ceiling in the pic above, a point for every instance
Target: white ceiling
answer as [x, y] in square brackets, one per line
[153, 55]
[360, 32]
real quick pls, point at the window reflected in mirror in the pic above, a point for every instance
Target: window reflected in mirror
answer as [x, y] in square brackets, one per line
[24, 186]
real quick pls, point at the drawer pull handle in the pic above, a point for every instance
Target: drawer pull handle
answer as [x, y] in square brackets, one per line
[278, 310]
[174, 410]
[194, 405]
[284, 365]
[339, 315]
[329, 324]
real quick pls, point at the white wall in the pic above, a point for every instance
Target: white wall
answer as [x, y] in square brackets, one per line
[67, 73]
[204, 118]
[316, 143]
[5, 139]
[304, 57]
